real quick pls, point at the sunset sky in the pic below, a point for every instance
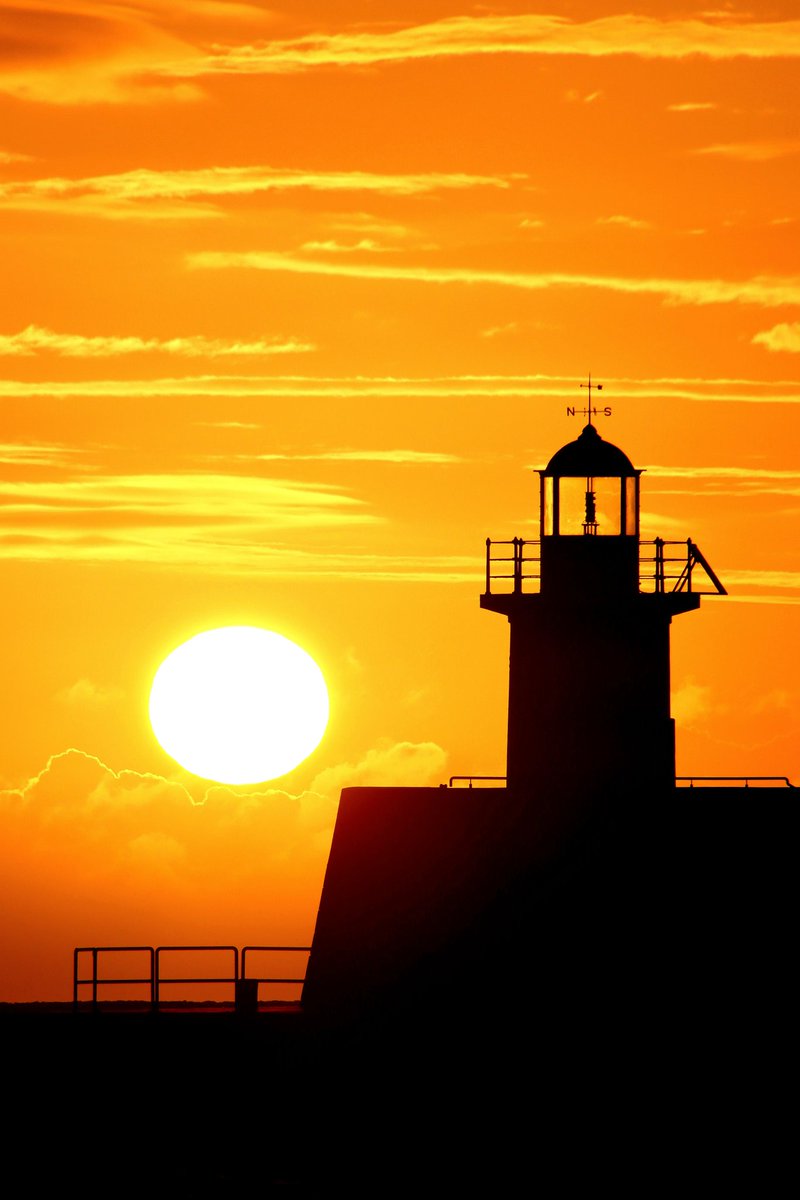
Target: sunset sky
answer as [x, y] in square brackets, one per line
[295, 298]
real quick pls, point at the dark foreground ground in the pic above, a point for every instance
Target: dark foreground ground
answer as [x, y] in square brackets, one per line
[625, 1025]
[201, 1104]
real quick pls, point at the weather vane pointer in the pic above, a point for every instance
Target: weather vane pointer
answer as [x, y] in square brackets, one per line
[590, 411]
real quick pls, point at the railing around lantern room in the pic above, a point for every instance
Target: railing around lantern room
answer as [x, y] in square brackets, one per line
[514, 566]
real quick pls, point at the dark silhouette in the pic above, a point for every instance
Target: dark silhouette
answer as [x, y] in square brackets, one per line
[590, 740]
[584, 979]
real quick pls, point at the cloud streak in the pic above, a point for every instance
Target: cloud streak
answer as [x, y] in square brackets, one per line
[35, 340]
[728, 480]
[788, 580]
[27, 454]
[752, 152]
[733, 391]
[183, 520]
[204, 522]
[519, 34]
[392, 457]
[145, 53]
[163, 195]
[762, 291]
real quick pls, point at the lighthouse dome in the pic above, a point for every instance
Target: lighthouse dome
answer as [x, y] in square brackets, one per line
[589, 455]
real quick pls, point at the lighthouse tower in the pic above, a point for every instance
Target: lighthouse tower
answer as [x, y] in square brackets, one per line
[589, 607]
[425, 886]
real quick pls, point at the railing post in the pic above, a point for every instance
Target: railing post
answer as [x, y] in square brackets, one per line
[689, 563]
[153, 998]
[94, 978]
[517, 565]
[488, 566]
[659, 543]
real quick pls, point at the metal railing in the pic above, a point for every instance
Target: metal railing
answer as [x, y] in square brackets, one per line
[468, 779]
[516, 561]
[159, 979]
[744, 781]
[94, 981]
[155, 979]
[670, 567]
[514, 566]
[273, 979]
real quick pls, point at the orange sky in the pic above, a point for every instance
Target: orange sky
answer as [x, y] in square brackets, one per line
[292, 305]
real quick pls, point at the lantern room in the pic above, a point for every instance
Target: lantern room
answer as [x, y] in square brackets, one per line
[589, 518]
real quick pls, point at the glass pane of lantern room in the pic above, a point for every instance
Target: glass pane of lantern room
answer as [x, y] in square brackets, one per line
[571, 506]
[608, 505]
[631, 515]
[547, 506]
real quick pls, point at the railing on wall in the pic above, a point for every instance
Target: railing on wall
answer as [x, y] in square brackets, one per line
[471, 780]
[744, 781]
[95, 981]
[514, 566]
[244, 986]
[159, 979]
[690, 781]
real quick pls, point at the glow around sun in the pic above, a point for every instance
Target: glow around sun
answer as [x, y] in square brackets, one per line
[239, 705]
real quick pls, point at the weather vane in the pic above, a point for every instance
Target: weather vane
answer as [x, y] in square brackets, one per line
[590, 411]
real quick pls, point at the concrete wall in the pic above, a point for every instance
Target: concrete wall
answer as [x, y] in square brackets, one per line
[465, 899]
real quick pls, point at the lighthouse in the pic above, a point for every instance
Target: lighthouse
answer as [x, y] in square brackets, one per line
[590, 605]
[425, 886]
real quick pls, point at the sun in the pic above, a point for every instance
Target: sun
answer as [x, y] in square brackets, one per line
[239, 704]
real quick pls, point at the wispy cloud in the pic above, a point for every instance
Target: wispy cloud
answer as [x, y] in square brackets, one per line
[494, 331]
[691, 702]
[524, 34]
[722, 472]
[574, 96]
[762, 291]
[85, 693]
[80, 831]
[753, 152]
[627, 222]
[368, 223]
[781, 601]
[163, 195]
[333, 247]
[785, 337]
[35, 340]
[230, 424]
[781, 580]
[393, 457]
[144, 52]
[692, 106]
[732, 391]
[41, 454]
[186, 519]
[727, 480]
[404, 764]
[202, 522]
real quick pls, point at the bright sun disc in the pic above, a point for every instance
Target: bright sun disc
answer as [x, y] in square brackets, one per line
[239, 705]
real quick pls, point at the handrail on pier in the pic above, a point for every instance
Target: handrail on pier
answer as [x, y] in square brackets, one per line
[155, 978]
